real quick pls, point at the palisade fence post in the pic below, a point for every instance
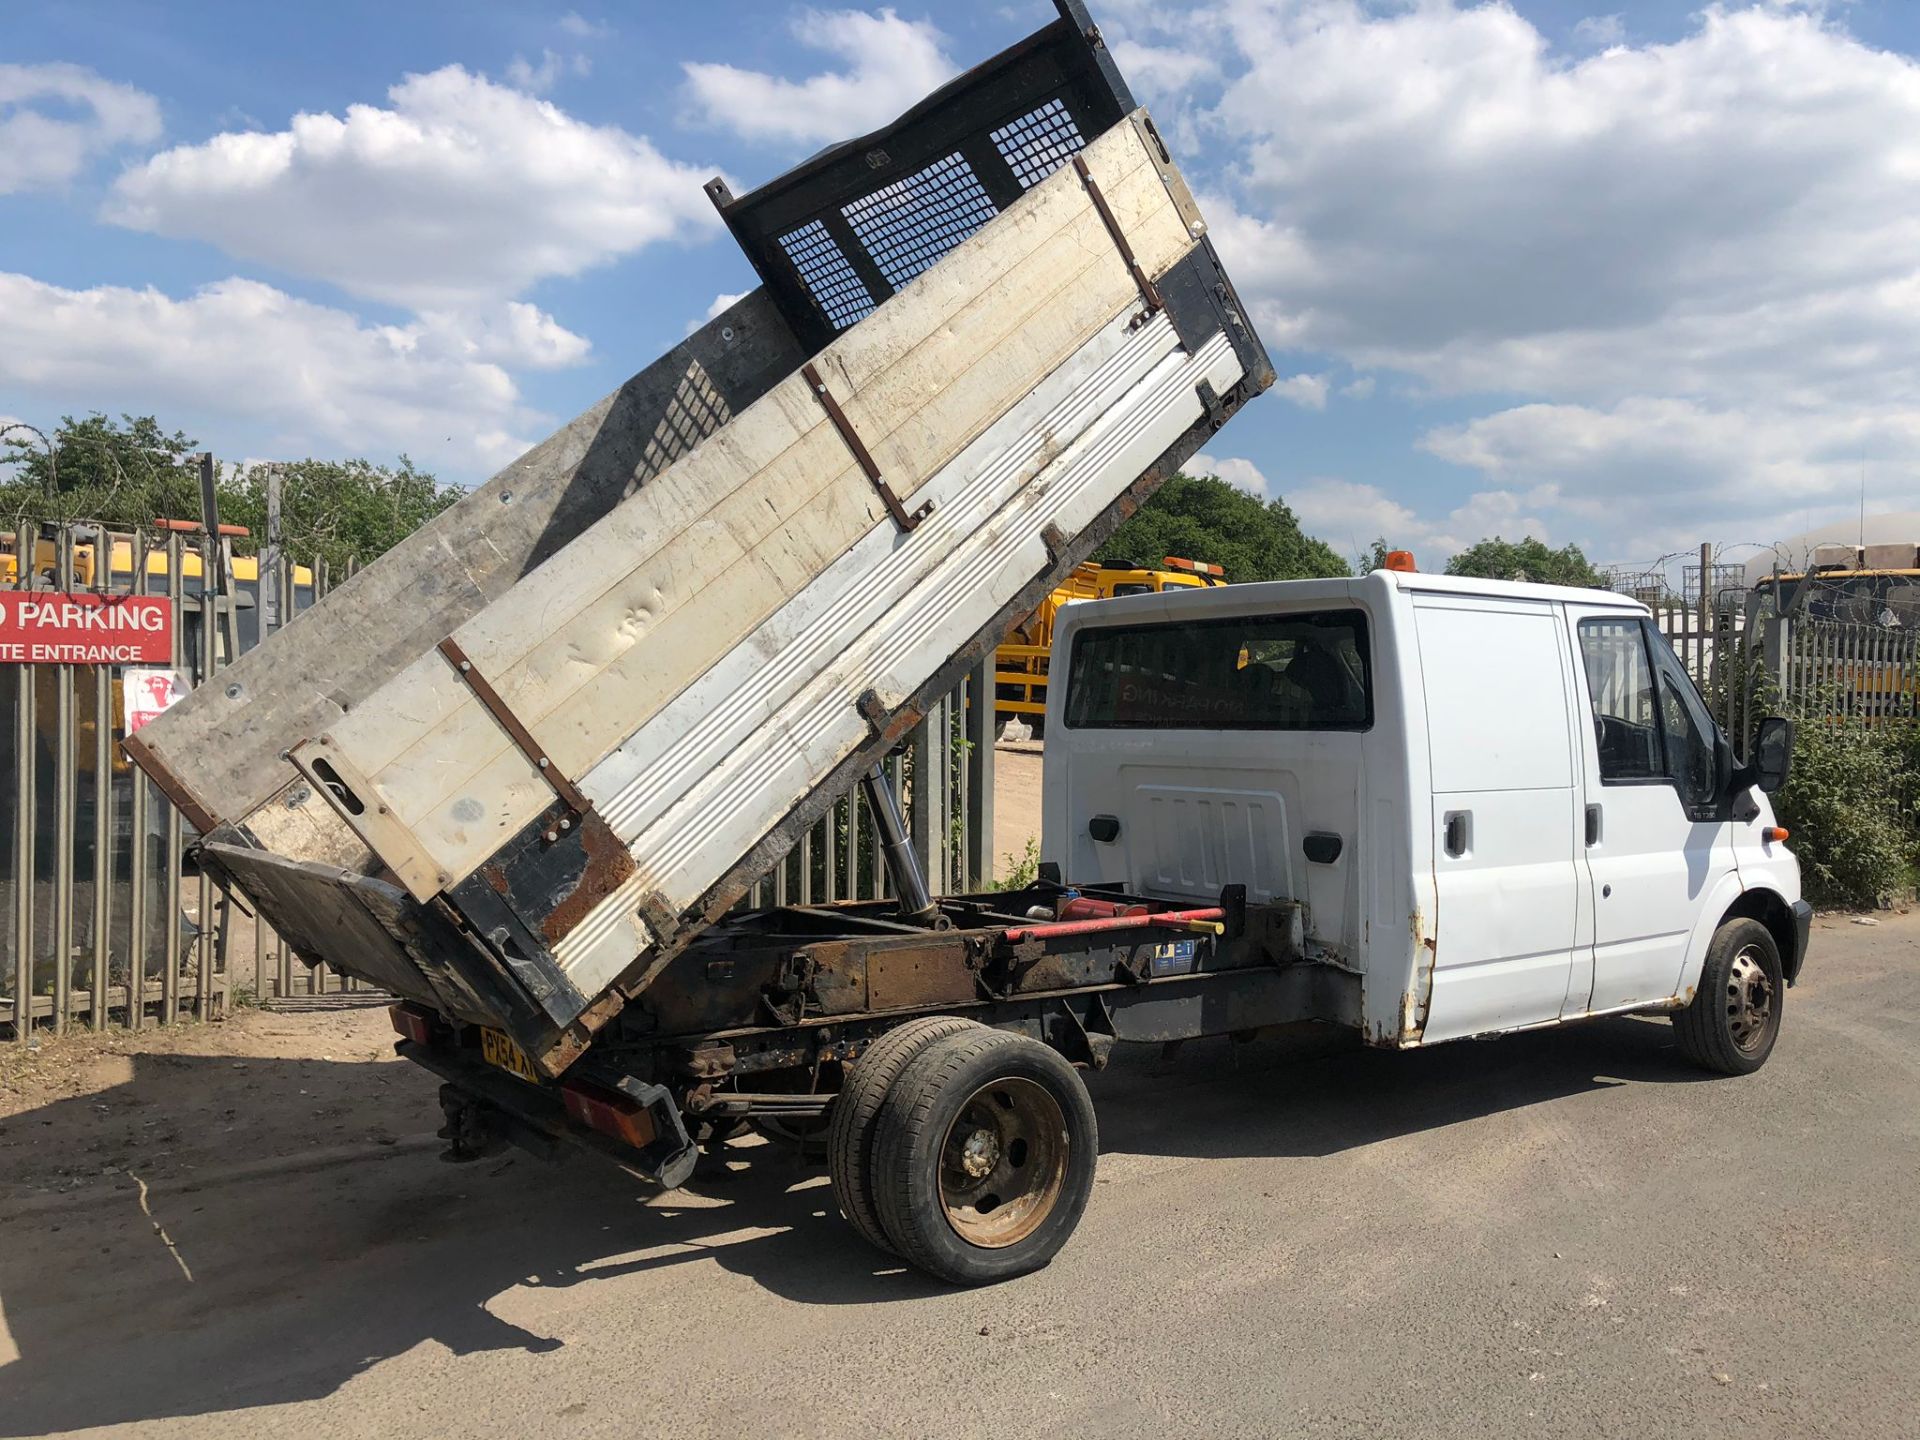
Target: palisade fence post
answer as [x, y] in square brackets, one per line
[980, 732]
[170, 877]
[269, 557]
[1706, 587]
[26, 775]
[286, 608]
[850, 856]
[927, 817]
[64, 800]
[137, 846]
[830, 854]
[103, 718]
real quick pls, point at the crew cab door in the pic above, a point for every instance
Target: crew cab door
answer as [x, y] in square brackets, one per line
[1655, 843]
[1497, 683]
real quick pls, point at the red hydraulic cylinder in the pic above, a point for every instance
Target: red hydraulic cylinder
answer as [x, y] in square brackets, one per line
[1177, 919]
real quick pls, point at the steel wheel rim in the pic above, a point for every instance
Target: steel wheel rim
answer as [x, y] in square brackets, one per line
[1003, 1163]
[1749, 1000]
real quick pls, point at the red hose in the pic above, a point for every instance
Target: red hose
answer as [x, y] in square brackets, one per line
[1117, 922]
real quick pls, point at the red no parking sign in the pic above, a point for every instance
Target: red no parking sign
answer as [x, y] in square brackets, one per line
[50, 627]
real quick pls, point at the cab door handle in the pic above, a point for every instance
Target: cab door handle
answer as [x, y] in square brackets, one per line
[1458, 833]
[1593, 826]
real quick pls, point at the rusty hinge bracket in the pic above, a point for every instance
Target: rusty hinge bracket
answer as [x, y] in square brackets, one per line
[522, 737]
[661, 917]
[901, 516]
[1055, 539]
[1149, 292]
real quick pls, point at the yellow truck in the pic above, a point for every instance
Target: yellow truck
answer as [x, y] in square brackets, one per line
[1020, 662]
[244, 571]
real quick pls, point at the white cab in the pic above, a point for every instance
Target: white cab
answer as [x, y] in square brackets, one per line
[1504, 805]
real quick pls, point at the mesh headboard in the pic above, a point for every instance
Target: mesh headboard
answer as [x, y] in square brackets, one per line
[834, 237]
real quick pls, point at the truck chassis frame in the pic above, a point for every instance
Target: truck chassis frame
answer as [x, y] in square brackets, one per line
[768, 1008]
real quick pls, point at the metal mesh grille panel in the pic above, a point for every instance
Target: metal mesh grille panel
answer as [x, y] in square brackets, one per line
[908, 225]
[829, 279]
[1038, 143]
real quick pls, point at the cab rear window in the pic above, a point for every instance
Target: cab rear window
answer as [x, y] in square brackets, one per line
[1306, 671]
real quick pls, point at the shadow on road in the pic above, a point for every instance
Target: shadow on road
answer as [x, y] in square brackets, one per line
[300, 1282]
[1315, 1092]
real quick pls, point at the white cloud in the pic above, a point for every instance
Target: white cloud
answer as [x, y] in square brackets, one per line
[890, 64]
[1445, 190]
[516, 334]
[1702, 256]
[580, 28]
[1642, 473]
[1161, 68]
[1359, 389]
[523, 74]
[55, 118]
[1309, 392]
[1600, 31]
[311, 377]
[721, 302]
[459, 193]
[1234, 470]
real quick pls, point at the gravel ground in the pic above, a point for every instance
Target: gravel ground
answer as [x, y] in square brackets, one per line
[1555, 1234]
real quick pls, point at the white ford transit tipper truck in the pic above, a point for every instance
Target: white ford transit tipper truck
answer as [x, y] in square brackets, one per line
[523, 770]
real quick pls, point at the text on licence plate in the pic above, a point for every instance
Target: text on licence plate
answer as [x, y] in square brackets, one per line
[497, 1049]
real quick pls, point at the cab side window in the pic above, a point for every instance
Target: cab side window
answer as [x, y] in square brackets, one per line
[1687, 730]
[1626, 718]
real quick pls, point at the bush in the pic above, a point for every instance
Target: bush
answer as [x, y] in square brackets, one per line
[1848, 808]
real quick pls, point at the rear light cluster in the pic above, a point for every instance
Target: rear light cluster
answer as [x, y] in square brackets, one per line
[411, 1022]
[609, 1112]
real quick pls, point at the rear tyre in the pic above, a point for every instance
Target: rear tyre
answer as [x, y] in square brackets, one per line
[850, 1121]
[1734, 1017]
[983, 1157]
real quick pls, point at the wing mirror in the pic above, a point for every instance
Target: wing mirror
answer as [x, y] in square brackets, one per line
[1772, 754]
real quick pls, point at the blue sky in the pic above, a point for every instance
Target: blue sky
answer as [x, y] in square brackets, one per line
[1636, 276]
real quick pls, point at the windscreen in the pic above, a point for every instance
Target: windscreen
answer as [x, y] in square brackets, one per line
[1305, 671]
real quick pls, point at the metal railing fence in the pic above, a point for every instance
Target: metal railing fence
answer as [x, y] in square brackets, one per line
[106, 919]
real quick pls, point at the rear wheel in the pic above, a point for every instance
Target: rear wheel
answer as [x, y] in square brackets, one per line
[1734, 1017]
[851, 1121]
[984, 1157]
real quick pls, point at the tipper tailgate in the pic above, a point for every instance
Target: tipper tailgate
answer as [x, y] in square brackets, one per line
[561, 778]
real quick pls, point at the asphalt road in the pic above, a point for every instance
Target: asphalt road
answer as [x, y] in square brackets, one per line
[1555, 1234]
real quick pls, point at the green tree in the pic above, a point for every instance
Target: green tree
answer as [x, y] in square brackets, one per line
[1375, 557]
[1527, 559]
[124, 473]
[338, 508]
[1202, 517]
[132, 472]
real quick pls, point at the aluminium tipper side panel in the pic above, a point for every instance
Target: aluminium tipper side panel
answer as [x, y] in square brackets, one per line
[222, 751]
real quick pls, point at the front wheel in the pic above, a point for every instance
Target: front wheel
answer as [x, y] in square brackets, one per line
[983, 1157]
[1734, 1017]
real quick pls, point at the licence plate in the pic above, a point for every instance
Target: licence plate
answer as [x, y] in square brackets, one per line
[498, 1050]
